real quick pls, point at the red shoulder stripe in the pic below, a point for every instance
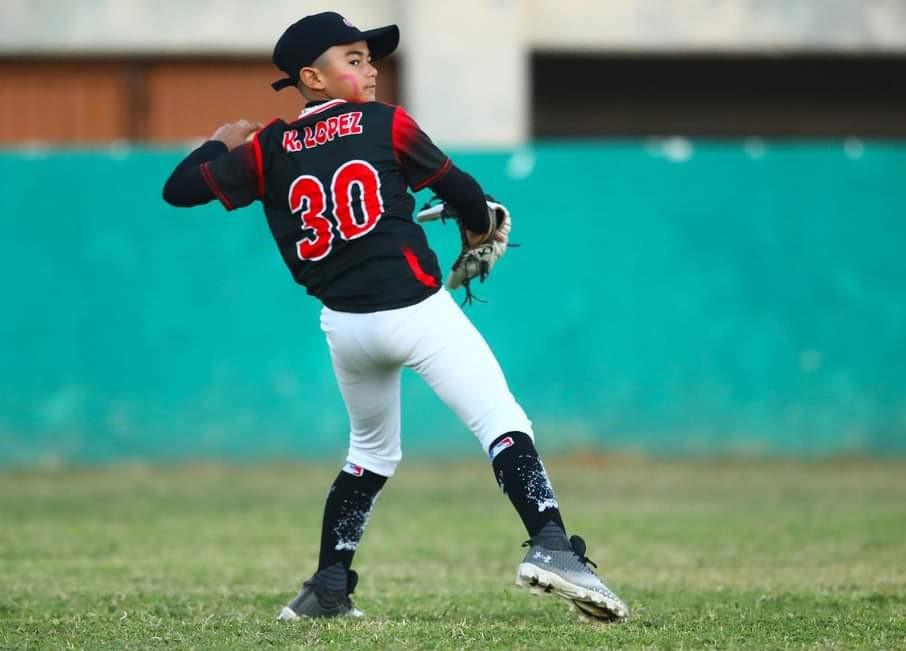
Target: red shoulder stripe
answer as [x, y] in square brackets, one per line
[259, 158]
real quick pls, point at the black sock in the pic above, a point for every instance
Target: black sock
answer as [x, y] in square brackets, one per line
[346, 512]
[522, 477]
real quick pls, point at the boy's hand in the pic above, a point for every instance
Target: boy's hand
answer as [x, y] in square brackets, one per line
[475, 239]
[480, 251]
[237, 133]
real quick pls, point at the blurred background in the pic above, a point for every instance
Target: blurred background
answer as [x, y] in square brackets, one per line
[709, 195]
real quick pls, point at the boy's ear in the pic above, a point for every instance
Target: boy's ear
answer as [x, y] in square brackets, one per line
[311, 77]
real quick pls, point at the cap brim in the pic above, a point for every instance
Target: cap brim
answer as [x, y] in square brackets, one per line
[382, 41]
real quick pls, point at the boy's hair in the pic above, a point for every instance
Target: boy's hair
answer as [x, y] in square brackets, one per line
[317, 63]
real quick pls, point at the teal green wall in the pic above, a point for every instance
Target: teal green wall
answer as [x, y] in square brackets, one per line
[714, 300]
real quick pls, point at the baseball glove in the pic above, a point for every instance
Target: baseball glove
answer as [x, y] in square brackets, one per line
[475, 259]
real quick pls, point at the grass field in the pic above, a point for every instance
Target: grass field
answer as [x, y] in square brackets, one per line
[753, 555]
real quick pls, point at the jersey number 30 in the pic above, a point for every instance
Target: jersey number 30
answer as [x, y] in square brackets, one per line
[308, 197]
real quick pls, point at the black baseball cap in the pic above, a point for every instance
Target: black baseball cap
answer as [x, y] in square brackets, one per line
[307, 39]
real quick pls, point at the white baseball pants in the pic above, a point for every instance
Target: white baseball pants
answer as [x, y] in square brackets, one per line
[439, 342]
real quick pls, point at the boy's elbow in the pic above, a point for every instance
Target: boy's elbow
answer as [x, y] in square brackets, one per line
[172, 196]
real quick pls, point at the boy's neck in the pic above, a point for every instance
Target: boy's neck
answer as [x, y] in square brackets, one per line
[317, 102]
[317, 98]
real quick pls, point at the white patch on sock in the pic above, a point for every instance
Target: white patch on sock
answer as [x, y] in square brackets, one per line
[538, 488]
[547, 504]
[349, 529]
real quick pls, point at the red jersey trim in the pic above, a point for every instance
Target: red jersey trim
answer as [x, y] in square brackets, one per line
[394, 133]
[209, 179]
[421, 276]
[436, 176]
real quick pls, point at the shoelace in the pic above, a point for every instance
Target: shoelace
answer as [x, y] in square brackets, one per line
[579, 548]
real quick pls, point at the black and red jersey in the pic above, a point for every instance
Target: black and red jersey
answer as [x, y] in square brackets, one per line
[335, 188]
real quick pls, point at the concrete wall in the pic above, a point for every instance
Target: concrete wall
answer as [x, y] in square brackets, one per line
[638, 25]
[153, 26]
[718, 25]
[465, 56]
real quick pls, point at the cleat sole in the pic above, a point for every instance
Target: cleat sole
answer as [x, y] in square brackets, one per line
[288, 614]
[588, 603]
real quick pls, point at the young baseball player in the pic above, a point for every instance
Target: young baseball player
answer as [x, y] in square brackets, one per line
[335, 186]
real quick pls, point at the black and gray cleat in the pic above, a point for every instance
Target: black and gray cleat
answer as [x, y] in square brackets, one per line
[315, 601]
[566, 573]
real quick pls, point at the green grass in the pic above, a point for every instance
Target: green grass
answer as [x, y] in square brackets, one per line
[756, 555]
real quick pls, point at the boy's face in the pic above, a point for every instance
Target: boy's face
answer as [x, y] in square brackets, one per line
[346, 72]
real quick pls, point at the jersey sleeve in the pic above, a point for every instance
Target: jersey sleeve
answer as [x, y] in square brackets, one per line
[237, 177]
[422, 162]
[186, 186]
